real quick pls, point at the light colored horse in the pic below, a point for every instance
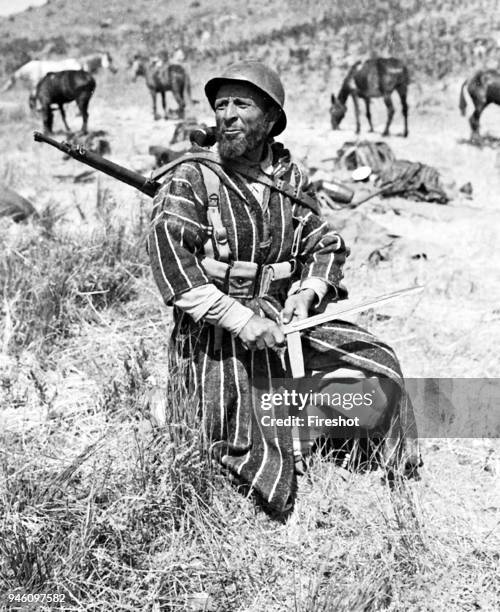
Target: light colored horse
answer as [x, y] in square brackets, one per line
[32, 73]
[94, 62]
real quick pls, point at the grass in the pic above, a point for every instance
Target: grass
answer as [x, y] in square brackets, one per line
[99, 503]
[12, 113]
[109, 512]
[52, 281]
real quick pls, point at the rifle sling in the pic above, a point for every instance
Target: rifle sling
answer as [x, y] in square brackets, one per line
[214, 162]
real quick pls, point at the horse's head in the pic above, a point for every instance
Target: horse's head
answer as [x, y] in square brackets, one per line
[337, 112]
[137, 67]
[107, 62]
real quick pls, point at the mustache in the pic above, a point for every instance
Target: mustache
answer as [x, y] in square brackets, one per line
[222, 129]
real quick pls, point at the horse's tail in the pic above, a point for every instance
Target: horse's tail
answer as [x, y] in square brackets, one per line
[462, 103]
[9, 84]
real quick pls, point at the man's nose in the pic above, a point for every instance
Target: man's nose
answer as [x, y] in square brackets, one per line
[230, 112]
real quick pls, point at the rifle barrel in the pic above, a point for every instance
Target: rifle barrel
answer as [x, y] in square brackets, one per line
[134, 179]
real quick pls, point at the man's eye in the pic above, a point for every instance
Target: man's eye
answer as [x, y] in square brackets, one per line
[220, 105]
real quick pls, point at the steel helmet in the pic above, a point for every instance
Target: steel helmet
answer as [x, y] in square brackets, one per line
[260, 76]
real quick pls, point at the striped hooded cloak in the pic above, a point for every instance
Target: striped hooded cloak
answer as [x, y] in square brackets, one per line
[228, 378]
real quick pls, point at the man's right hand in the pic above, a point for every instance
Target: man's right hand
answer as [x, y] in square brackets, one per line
[259, 333]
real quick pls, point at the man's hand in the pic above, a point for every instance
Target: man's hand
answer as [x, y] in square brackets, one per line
[297, 306]
[259, 333]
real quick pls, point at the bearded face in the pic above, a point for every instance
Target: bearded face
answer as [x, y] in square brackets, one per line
[243, 120]
[236, 143]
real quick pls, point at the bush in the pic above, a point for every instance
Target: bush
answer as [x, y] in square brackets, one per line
[53, 280]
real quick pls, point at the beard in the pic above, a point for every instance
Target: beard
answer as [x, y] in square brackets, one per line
[231, 146]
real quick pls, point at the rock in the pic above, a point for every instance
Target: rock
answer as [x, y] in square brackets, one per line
[13, 205]
[466, 189]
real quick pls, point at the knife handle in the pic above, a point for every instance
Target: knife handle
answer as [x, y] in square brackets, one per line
[295, 355]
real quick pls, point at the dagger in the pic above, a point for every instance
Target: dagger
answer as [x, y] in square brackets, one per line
[333, 311]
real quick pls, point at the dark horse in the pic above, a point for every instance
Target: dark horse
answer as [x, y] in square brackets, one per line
[60, 88]
[162, 77]
[375, 78]
[483, 88]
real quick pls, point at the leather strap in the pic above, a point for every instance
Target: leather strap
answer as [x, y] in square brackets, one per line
[218, 241]
[212, 160]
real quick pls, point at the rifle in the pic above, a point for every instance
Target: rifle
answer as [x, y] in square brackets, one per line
[150, 186]
[134, 179]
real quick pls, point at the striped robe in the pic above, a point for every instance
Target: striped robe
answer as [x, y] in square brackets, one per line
[227, 377]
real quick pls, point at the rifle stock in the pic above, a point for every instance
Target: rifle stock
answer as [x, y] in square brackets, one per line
[134, 179]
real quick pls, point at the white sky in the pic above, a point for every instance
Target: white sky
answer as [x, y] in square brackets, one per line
[16, 6]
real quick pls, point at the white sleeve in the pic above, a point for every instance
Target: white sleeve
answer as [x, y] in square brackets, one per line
[318, 285]
[209, 303]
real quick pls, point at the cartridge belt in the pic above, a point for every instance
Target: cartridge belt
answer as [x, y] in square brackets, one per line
[246, 279]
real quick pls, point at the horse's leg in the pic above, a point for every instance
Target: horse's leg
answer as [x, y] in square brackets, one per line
[33, 102]
[164, 104]
[63, 117]
[474, 119]
[83, 105]
[368, 113]
[85, 117]
[153, 97]
[404, 109]
[179, 98]
[355, 101]
[48, 119]
[390, 113]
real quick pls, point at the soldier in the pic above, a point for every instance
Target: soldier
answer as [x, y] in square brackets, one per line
[238, 247]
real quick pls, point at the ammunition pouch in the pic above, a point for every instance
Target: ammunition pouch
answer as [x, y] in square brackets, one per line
[248, 280]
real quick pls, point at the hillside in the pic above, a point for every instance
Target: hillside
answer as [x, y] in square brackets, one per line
[434, 37]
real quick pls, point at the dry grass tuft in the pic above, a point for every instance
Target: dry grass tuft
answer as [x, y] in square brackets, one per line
[90, 525]
[13, 112]
[52, 280]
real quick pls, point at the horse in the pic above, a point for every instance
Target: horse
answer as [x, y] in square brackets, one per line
[162, 77]
[374, 78]
[94, 62]
[31, 73]
[484, 89]
[60, 88]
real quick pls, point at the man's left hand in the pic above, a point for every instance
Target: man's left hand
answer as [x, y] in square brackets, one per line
[297, 306]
